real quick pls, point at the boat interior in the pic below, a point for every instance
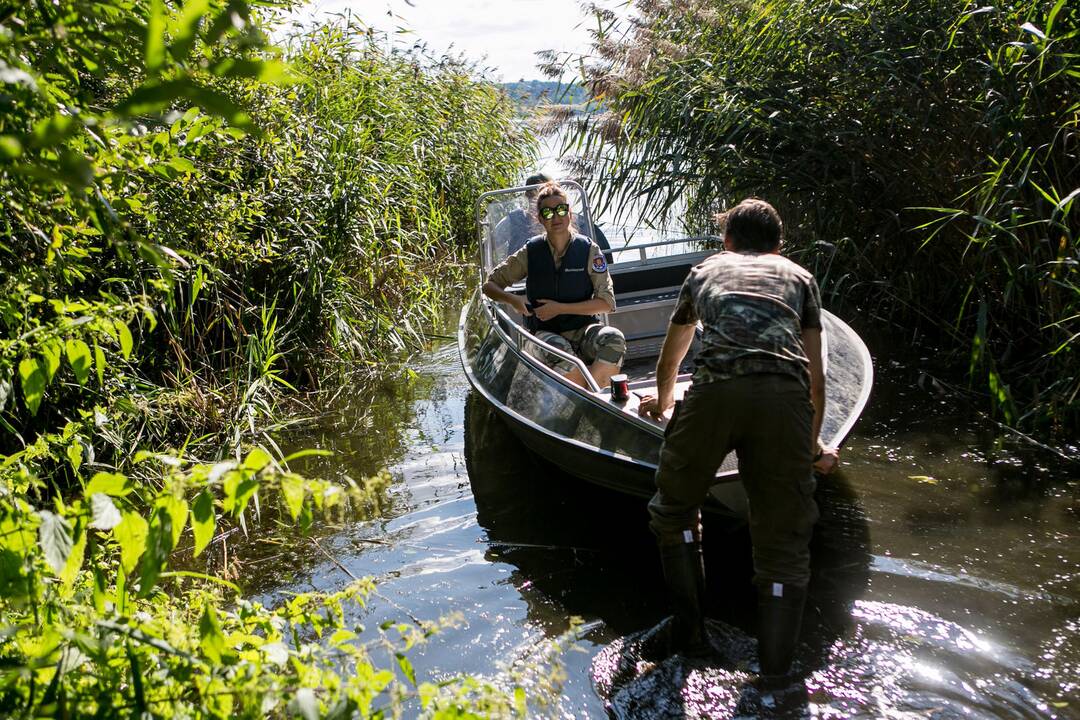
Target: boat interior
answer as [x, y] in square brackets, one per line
[647, 277]
[647, 280]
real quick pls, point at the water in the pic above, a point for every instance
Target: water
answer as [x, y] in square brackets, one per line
[946, 563]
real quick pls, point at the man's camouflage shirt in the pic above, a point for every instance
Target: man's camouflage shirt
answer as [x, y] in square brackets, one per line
[753, 308]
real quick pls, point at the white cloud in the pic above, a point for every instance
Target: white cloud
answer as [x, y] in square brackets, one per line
[503, 34]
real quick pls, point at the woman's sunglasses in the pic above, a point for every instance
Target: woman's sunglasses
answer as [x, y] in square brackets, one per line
[561, 210]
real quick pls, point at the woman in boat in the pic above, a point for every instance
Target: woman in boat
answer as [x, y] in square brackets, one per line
[567, 285]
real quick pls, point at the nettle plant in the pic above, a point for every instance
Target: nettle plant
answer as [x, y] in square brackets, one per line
[96, 624]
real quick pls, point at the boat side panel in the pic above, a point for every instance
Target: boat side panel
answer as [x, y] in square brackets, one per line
[848, 378]
[558, 424]
[554, 408]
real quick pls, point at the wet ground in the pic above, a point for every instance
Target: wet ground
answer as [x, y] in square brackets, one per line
[946, 563]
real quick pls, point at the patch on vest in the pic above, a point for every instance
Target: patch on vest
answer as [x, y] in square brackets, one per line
[599, 265]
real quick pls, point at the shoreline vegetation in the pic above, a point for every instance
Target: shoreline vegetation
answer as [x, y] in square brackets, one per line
[198, 227]
[925, 158]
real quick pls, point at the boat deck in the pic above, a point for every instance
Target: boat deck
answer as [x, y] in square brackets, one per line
[644, 368]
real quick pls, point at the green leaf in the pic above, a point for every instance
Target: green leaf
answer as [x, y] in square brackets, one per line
[123, 334]
[158, 546]
[406, 667]
[211, 640]
[51, 352]
[74, 454]
[78, 354]
[113, 484]
[342, 636]
[238, 487]
[306, 518]
[182, 164]
[203, 520]
[154, 50]
[292, 489]
[131, 535]
[75, 169]
[50, 132]
[99, 591]
[267, 71]
[257, 459]
[54, 535]
[307, 453]
[10, 147]
[99, 363]
[519, 702]
[75, 559]
[32, 377]
[177, 509]
[105, 514]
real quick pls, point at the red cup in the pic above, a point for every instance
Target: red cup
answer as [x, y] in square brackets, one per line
[620, 388]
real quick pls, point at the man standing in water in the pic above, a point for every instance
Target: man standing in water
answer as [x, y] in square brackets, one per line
[758, 389]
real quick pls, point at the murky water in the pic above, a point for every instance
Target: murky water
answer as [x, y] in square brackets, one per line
[946, 563]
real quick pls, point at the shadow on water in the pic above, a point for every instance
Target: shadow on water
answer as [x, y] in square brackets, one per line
[946, 565]
[591, 550]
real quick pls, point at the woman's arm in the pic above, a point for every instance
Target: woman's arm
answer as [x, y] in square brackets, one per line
[547, 309]
[493, 291]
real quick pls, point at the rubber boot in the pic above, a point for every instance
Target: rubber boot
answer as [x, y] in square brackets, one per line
[684, 575]
[780, 610]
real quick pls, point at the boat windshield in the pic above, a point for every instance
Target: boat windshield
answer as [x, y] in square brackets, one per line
[507, 219]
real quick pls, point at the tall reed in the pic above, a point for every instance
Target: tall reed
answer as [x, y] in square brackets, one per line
[328, 183]
[925, 157]
[195, 224]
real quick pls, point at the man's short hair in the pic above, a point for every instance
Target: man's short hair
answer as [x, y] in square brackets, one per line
[753, 225]
[537, 179]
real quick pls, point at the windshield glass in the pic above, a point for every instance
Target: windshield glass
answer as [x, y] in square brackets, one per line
[508, 220]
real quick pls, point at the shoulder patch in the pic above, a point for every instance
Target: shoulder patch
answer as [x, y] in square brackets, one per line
[599, 265]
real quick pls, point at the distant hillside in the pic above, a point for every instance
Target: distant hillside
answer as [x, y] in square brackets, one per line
[530, 93]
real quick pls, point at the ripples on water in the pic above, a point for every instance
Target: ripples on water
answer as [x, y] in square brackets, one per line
[946, 568]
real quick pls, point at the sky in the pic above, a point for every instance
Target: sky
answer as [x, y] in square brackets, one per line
[503, 34]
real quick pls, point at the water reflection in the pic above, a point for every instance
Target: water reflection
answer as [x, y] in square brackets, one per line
[946, 577]
[590, 550]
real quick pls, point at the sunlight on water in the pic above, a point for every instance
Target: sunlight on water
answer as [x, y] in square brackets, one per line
[955, 598]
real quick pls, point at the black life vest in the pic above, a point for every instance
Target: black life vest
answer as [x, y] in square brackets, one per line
[568, 283]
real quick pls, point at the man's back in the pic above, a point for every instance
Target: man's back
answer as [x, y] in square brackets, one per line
[753, 308]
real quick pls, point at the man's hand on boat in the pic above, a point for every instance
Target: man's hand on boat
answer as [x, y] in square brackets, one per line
[827, 460]
[649, 406]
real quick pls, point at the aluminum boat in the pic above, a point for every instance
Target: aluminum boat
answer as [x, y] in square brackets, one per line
[583, 430]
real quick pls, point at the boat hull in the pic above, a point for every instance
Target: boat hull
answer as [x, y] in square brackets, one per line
[590, 437]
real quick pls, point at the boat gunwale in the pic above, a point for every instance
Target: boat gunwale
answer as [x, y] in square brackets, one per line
[536, 364]
[489, 309]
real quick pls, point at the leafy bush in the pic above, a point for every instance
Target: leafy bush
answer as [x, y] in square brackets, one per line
[97, 625]
[924, 155]
[214, 219]
[195, 223]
